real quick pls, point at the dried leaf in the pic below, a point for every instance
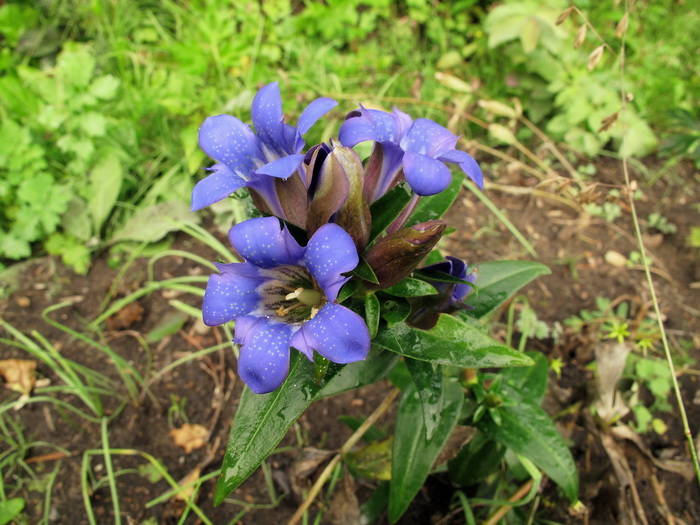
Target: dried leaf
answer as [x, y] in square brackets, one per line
[190, 436]
[498, 108]
[595, 57]
[564, 15]
[622, 26]
[19, 374]
[344, 508]
[611, 359]
[608, 121]
[124, 318]
[187, 493]
[453, 82]
[615, 259]
[304, 467]
[502, 133]
[580, 37]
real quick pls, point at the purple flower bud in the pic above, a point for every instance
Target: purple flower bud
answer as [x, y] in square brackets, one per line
[335, 193]
[396, 255]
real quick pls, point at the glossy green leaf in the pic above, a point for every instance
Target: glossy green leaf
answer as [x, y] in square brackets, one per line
[262, 420]
[427, 378]
[434, 207]
[364, 271]
[529, 431]
[387, 208]
[476, 460]
[413, 454]
[372, 311]
[530, 382]
[354, 375]
[395, 311]
[411, 287]
[450, 342]
[499, 280]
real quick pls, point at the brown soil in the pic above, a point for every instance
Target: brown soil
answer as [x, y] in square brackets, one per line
[208, 390]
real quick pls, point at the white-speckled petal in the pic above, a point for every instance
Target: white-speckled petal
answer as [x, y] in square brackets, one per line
[330, 253]
[265, 242]
[263, 362]
[231, 294]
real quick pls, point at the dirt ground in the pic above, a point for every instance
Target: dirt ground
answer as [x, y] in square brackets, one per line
[624, 478]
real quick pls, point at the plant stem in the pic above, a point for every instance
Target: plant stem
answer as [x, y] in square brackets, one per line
[347, 447]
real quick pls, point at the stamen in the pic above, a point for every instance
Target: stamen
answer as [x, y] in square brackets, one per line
[282, 311]
[314, 311]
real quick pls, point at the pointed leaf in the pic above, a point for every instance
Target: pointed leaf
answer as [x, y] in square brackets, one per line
[364, 271]
[479, 457]
[435, 206]
[413, 454]
[410, 287]
[428, 380]
[387, 208]
[529, 431]
[499, 280]
[450, 342]
[530, 382]
[262, 420]
[372, 311]
[395, 311]
[354, 375]
[105, 183]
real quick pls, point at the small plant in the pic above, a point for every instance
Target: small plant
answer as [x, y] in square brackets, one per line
[661, 224]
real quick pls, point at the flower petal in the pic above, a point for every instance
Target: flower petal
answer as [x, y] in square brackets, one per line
[336, 332]
[265, 243]
[267, 116]
[313, 112]
[215, 187]
[355, 130]
[263, 363]
[231, 294]
[467, 163]
[428, 138]
[330, 253]
[425, 175]
[281, 168]
[226, 139]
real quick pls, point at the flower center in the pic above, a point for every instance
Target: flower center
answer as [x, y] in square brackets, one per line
[290, 295]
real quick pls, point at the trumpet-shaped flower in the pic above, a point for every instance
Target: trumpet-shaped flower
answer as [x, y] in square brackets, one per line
[255, 159]
[283, 296]
[417, 148]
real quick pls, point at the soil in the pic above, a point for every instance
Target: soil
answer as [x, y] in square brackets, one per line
[205, 391]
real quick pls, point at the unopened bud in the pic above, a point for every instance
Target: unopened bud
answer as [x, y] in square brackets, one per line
[395, 256]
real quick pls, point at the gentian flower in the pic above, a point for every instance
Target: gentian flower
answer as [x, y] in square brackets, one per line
[417, 148]
[255, 159]
[283, 296]
[450, 296]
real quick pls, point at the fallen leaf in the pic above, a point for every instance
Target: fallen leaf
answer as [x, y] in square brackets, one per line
[615, 259]
[305, 465]
[344, 508]
[19, 374]
[124, 318]
[190, 436]
[185, 494]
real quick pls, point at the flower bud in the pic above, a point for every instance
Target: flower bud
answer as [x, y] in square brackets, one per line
[335, 193]
[395, 256]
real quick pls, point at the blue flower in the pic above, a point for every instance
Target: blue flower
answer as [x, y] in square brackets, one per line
[450, 297]
[255, 159]
[283, 296]
[417, 148]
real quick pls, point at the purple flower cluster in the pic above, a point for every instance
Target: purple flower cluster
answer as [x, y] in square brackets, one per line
[285, 293]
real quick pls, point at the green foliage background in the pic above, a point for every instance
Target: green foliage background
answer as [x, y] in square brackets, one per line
[100, 101]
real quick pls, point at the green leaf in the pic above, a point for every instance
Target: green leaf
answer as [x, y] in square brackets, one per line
[427, 378]
[530, 34]
[476, 460]
[499, 280]
[411, 287]
[395, 310]
[413, 454]
[93, 124]
[435, 206]
[354, 375]
[152, 223]
[450, 342]
[104, 87]
[10, 509]
[529, 431]
[531, 381]
[373, 461]
[262, 420]
[372, 311]
[169, 324]
[387, 208]
[105, 183]
[364, 271]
